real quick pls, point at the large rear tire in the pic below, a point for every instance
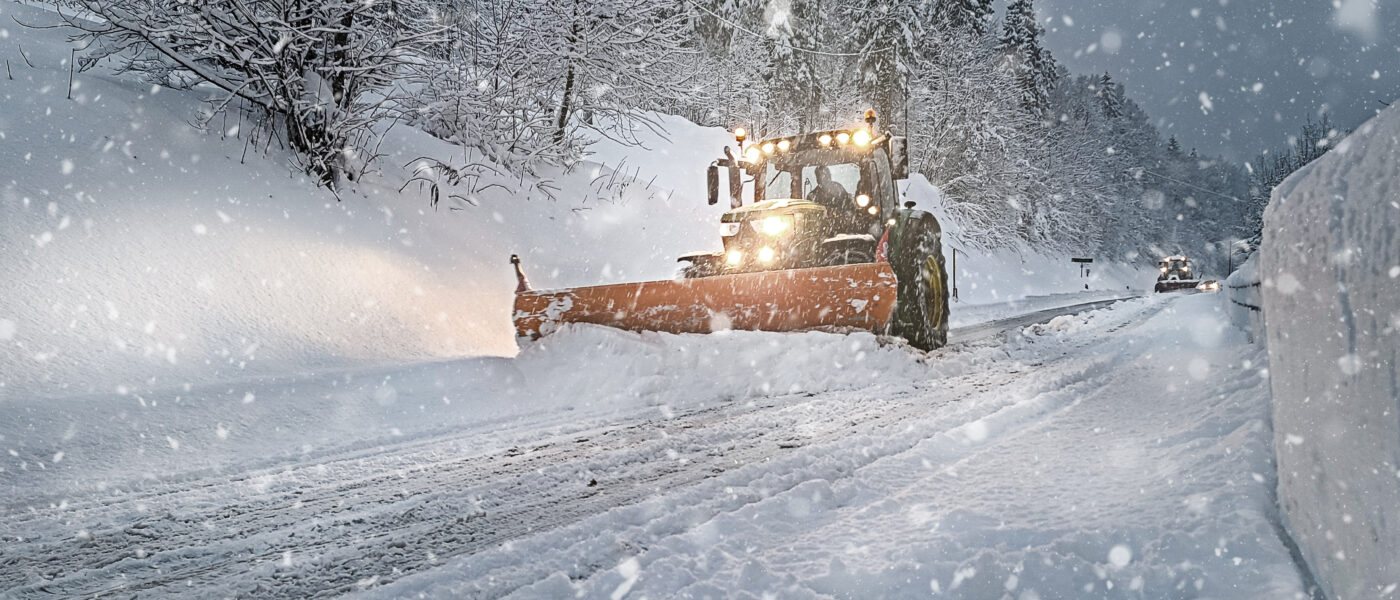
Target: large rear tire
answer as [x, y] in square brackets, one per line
[921, 306]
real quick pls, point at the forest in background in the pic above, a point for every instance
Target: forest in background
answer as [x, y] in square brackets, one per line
[1024, 151]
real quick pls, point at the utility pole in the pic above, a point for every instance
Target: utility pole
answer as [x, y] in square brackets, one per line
[72, 58]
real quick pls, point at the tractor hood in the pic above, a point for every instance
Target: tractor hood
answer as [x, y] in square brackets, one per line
[780, 206]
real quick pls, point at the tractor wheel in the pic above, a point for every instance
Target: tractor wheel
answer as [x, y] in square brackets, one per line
[921, 305]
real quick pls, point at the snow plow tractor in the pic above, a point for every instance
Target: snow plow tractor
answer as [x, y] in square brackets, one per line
[815, 238]
[1175, 274]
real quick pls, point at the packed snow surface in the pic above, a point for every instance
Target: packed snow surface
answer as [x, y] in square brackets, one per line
[1122, 452]
[1331, 290]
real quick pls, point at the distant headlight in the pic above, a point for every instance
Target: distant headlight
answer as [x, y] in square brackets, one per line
[728, 229]
[862, 200]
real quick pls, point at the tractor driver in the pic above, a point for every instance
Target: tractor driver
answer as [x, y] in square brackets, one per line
[829, 193]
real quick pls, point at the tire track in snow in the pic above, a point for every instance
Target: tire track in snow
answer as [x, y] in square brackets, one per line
[405, 520]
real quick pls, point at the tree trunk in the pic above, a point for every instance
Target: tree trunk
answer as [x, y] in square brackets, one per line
[563, 122]
[565, 103]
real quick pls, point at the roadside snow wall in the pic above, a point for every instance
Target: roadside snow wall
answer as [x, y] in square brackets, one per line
[1331, 289]
[1244, 289]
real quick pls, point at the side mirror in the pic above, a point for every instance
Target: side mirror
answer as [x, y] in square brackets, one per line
[736, 188]
[712, 183]
[899, 158]
[736, 183]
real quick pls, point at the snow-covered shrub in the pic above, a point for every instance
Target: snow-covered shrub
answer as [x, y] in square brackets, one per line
[320, 74]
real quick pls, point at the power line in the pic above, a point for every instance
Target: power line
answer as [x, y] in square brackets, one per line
[760, 36]
[1194, 187]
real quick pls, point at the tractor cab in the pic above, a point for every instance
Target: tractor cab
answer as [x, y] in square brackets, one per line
[816, 199]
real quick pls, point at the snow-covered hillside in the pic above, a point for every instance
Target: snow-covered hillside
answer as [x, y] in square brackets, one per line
[1331, 289]
[141, 253]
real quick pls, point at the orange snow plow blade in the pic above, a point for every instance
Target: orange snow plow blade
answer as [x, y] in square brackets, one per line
[858, 296]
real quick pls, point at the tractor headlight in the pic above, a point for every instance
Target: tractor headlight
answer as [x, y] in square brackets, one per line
[862, 200]
[752, 154]
[825, 139]
[729, 229]
[765, 254]
[768, 148]
[773, 226]
[874, 210]
[1164, 269]
[861, 138]
[843, 137]
[783, 145]
[734, 257]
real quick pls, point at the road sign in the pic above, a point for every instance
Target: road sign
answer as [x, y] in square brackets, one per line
[1081, 260]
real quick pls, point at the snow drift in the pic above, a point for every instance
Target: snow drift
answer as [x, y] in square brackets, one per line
[1331, 292]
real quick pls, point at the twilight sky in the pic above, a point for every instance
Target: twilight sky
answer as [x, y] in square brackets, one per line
[1235, 77]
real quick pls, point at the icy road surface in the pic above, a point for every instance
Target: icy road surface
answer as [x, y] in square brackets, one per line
[1120, 452]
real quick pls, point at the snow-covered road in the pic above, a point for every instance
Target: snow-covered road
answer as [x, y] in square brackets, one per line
[1121, 452]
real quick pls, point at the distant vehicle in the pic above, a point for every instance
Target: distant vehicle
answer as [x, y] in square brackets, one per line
[1175, 274]
[1209, 285]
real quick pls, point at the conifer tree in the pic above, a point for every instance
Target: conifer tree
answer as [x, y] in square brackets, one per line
[1110, 97]
[1032, 65]
[794, 85]
[886, 34]
[970, 16]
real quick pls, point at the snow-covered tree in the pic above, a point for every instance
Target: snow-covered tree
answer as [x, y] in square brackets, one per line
[322, 73]
[1025, 57]
[886, 35]
[794, 84]
[1110, 97]
[529, 82]
[969, 16]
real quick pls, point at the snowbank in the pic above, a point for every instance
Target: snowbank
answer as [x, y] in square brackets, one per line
[1243, 288]
[580, 377]
[1016, 273]
[1331, 290]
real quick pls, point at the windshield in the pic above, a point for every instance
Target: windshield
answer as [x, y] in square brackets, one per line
[780, 179]
[798, 175]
